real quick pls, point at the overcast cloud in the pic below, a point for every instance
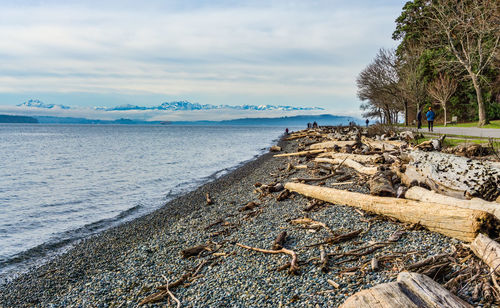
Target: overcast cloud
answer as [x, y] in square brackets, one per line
[304, 53]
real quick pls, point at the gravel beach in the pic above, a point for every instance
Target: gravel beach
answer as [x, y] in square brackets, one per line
[124, 265]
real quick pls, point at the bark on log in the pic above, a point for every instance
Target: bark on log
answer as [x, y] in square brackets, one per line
[487, 250]
[349, 163]
[411, 290]
[301, 153]
[456, 176]
[331, 144]
[463, 224]
[425, 195]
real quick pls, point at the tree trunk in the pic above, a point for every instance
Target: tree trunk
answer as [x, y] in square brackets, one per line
[444, 109]
[463, 224]
[406, 113]
[482, 111]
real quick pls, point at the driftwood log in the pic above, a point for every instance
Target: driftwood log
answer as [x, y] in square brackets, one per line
[348, 163]
[425, 195]
[364, 159]
[331, 144]
[381, 184]
[453, 175]
[487, 250]
[411, 290]
[386, 145]
[463, 224]
[301, 153]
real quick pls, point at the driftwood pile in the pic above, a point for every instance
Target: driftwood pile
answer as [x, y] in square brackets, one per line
[418, 185]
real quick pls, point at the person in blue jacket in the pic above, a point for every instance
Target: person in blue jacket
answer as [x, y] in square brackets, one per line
[430, 119]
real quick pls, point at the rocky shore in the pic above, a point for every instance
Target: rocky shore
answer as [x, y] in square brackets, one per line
[124, 266]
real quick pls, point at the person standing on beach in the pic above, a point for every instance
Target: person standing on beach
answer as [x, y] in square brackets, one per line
[419, 119]
[430, 119]
[367, 121]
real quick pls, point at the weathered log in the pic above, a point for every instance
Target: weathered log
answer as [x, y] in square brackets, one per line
[411, 290]
[349, 163]
[364, 159]
[425, 195]
[455, 176]
[301, 153]
[381, 184]
[452, 221]
[331, 144]
[387, 145]
[487, 250]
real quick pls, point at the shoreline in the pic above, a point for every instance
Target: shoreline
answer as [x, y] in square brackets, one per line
[124, 265]
[39, 255]
[180, 204]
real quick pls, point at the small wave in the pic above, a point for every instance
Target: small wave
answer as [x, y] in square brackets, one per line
[10, 267]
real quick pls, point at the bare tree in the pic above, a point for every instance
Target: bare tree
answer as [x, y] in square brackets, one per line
[377, 84]
[472, 31]
[441, 89]
[411, 86]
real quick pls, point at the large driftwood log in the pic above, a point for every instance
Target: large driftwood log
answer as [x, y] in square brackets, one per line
[425, 195]
[386, 145]
[455, 176]
[301, 153]
[332, 144]
[463, 224]
[410, 290]
[364, 159]
[349, 163]
[487, 250]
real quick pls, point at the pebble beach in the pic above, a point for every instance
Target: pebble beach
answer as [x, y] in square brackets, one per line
[122, 266]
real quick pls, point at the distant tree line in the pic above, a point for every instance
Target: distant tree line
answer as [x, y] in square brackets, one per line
[448, 58]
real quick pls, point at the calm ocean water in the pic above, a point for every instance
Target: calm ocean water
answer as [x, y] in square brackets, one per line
[60, 183]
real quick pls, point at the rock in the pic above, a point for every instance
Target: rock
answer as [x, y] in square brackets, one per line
[275, 148]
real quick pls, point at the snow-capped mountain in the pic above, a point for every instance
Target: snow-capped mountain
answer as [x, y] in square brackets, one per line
[39, 104]
[184, 106]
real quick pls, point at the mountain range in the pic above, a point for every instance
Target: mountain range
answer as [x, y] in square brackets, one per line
[173, 106]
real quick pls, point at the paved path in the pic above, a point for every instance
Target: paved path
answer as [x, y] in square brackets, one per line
[466, 131]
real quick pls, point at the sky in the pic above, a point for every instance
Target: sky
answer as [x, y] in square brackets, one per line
[107, 53]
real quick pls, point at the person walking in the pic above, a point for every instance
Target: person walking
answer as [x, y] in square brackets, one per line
[419, 119]
[367, 121]
[430, 119]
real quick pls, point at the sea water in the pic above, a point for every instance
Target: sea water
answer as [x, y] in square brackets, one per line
[62, 183]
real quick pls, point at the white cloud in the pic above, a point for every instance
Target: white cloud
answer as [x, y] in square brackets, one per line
[282, 49]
